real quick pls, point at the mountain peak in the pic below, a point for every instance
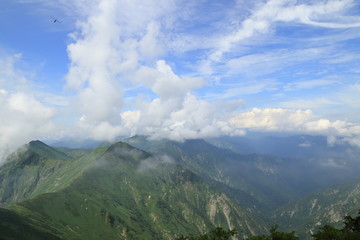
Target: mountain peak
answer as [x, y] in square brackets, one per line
[34, 143]
[46, 151]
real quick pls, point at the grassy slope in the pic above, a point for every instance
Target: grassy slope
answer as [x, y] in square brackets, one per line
[254, 179]
[107, 195]
[16, 227]
[37, 169]
[26, 169]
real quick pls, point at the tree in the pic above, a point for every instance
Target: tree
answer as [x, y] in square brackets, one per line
[215, 234]
[276, 235]
[352, 224]
[351, 230]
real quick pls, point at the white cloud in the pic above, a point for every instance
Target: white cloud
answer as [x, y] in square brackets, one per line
[243, 89]
[181, 117]
[152, 163]
[23, 119]
[101, 131]
[274, 11]
[166, 84]
[296, 121]
[310, 84]
[340, 103]
[133, 44]
[108, 49]
[10, 75]
[349, 95]
[149, 45]
[273, 119]
[260, 64]
[23, 116]
[305, 144]
[316, 103]
[355, 140]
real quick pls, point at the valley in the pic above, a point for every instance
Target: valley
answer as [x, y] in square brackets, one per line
[140, 188]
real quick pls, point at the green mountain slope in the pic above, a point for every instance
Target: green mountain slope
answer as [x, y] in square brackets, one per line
[261, 182]
[328, 206]
[257, 181]
[37, 168]
[121, 192]
[26, 170]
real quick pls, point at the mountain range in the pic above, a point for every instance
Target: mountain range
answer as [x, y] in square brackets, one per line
[140, 188]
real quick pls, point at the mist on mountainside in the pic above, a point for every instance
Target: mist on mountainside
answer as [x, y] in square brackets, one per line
[263, 187]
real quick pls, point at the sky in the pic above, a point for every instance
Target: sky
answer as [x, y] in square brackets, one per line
[178, 69]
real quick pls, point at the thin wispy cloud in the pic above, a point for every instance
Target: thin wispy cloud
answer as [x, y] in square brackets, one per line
[310, 84]
[316, 103]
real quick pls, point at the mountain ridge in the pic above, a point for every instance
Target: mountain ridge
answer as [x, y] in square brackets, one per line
[116, 195]
[159, 189]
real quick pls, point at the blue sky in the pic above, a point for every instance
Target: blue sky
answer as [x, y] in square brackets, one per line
[178, 69]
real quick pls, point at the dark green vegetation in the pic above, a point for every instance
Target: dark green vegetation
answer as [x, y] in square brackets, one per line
[350, 231]
[319, 208]
[111, 193]
[221, 234]
[249, 178]
[274, 234]
[168, 190]
[215, 234]
[302, 193]
[271, 181]
[36, 169]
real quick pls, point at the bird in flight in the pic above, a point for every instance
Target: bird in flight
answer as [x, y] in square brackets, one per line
[56, 20]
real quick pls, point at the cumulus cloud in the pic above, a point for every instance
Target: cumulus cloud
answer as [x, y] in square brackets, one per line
[94, 56]
[193, 118]
[23, 116]
[297, 121]
[23, 119]
[273, 119]
[106, 51]
[121, 44]
[175, 112]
